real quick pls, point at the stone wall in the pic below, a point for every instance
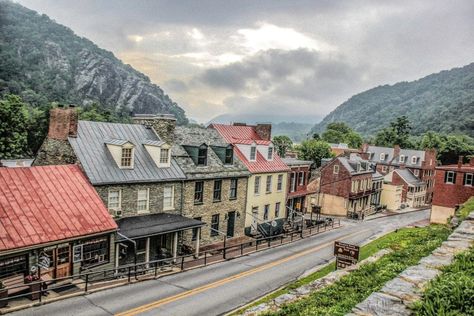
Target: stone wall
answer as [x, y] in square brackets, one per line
[129, 195]
[209, 208]
[55, 152]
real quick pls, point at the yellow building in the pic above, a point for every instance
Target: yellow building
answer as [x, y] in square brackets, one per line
[391, 196]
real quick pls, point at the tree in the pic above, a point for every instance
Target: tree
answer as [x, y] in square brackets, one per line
[282, 144]
[339, 132]
[314, 150]
[13, 127]
[316, 136]
[455, 146]
[354, 140]
[398, 133]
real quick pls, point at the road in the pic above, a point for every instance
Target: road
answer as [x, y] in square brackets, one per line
[223, 287]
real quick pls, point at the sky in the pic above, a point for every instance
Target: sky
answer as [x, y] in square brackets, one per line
[282, 60]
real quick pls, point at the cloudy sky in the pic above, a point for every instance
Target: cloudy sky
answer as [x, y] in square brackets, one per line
[285, 60]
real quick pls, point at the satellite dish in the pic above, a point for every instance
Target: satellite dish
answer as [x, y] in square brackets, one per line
[274, 223]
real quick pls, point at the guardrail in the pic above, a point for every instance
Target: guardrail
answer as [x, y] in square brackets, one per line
[152, 269]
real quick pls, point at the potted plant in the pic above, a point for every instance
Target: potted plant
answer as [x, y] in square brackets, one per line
[3, 294]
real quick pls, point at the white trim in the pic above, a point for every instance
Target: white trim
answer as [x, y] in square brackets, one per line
[147, 209]
[171, 207]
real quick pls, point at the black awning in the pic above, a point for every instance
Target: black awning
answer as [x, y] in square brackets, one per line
[155, 224]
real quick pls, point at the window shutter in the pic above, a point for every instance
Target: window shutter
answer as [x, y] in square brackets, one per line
[454, 177]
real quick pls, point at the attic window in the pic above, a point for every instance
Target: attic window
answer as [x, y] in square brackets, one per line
[126, 160]
[202, 155]
[164, 155]
[402, 158]
[270, 153]
[382, 156]
[229, 155]
[414, 159]
[253, 153]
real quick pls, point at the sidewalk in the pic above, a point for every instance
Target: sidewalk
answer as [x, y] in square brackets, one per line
[393, 213]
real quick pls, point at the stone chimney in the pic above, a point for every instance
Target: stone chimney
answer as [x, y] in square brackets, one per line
[460, 161]
[264, 130]
[163, 124]
[63, 122]
[396, 151]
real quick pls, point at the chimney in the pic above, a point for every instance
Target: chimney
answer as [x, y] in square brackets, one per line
[396, 151]
[365, 147]
[460, 161]
[264, 130]
[62, 123]
[163, 124]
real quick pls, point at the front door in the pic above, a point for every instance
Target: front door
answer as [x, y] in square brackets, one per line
[56, 262]
[230, 224]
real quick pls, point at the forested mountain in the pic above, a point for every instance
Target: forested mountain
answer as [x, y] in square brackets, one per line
[441, 102]
[43, 61]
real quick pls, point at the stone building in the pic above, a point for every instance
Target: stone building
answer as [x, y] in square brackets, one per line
[421, 163]
[136, 176]
[454, 185]
[215, 189]
[266, 189]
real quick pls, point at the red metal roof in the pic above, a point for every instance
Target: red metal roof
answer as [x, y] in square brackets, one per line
[247, 135]
[50, 203]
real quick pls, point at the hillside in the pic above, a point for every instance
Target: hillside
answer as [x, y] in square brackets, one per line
[441, 102]
[44, 61]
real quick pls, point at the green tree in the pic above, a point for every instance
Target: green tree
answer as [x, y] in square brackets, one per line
[13, 127]
[314, 150]
[339, 132]
[398, 133]
[282, 144]
[455, 146]
[354, 140]
[431, 140]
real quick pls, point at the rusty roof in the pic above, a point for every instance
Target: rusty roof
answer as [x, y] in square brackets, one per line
[49, 203]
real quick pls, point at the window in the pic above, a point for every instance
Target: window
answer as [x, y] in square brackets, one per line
[253, 153]
[215, 225]
[126, 160]
[280, 182]
[301, 178]
[414, 159]
[142, 200]
[335, 169]
[114, 199]
[402, 158]
[450, 177]
[270, 153]
[382, 156]
[233, 189]
[416, 172]
[268, 187]
[196, 229]
[95, 251]
[168, 198]
[353, 186]
[293, 182]
[468, 179]
[198, 189]
[266, 210]
[164, 155]
[256, 186]
[141, 250]
[384, 168]
[229, 155]
[217, 190]
[13, 265]
[202, 155]
[277, 209]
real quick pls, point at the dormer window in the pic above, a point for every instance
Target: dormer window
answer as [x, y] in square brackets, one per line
[202, 155]
[229, 155]
[270, 153]
[126, 161]
[414, 159]
[402, 158]
[164, 156]
[253, 153]
[122, 152]
[382, 156]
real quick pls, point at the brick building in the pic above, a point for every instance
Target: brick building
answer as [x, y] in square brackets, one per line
[413, 189]
[453, 187]
[421, 163]
[297, 187]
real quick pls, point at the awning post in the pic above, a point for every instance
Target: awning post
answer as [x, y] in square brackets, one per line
[196, 254]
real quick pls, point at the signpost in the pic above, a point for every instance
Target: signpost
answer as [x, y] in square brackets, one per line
[346, 254]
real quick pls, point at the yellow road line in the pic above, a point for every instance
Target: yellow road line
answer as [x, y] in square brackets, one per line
[147, 307]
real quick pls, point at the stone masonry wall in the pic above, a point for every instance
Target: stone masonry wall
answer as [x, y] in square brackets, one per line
[209, 208]
[55, 152]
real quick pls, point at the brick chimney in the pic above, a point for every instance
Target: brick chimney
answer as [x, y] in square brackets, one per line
[63, 123]
[396, 151]
[365, 147]
[264, 130]
[163, 124]
[460, 161]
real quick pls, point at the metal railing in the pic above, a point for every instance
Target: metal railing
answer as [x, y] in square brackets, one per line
[86, 281]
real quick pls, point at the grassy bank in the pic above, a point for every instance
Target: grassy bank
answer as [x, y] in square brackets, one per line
[452, 292]
[409, 245]
[392, 240]
[466, 208]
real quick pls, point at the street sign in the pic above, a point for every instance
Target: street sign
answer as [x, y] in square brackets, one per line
[346, 254]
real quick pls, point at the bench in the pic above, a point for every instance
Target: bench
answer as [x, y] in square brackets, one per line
[15, 281]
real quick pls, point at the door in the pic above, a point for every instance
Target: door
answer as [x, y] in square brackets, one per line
[253, 226]
[230, 224]
[63, 261]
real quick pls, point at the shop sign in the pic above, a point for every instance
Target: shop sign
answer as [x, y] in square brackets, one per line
[44, 261]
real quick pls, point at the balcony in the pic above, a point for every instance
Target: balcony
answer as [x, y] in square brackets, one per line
[355, 195]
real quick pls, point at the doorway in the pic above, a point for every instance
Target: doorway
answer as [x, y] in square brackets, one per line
[230, 224]
[56, 262]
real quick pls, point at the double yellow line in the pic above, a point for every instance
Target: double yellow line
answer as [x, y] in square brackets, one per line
[152, 305]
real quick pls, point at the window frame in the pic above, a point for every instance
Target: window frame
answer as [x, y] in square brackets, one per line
[202, 155]
[266, 212]
[147, 201]
[270, 153]
[233, 184]
[447, 176]
[127, 157]
[335, 169]
[382, 155]
[402, 158]
[256, 185]
[171, 198]
[468, 175]
[414, 159]
[229, 155]
[253, 153]
[119, 199]
[91, 254]
[167, 156]
[301, 178]
[277, 209]
[268, 184]
[280, 183]
[214, 225]
[217, 191]
[198, 194]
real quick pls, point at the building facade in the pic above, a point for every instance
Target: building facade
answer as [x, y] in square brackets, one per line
[453, 187]
[266, 190]
[421, 163]
[297, 186]
[413, 189]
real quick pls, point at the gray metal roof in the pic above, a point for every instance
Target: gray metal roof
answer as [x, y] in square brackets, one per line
[355, 164]
[100, 167]
[296, 162]
[196, 136]
[389, 156]
[408, 176]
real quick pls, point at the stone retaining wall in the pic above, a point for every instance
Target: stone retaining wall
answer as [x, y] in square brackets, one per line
[397, 295]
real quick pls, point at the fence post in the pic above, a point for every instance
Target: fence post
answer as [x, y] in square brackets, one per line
[318, 228]
[269, 242]
[87, 281]
[291, 237]
[301, 234]
[205, 258]
[241, 249]
[129, 270]
[182, 263]
[156, 269]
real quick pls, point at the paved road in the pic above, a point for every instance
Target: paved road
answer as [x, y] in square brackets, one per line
[219, 288]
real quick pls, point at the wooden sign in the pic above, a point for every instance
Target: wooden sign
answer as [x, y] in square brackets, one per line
[346, 254]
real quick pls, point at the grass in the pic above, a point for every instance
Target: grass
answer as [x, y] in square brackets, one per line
[452, 292]
[391, 240]
[467, 208]
[409, 245]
